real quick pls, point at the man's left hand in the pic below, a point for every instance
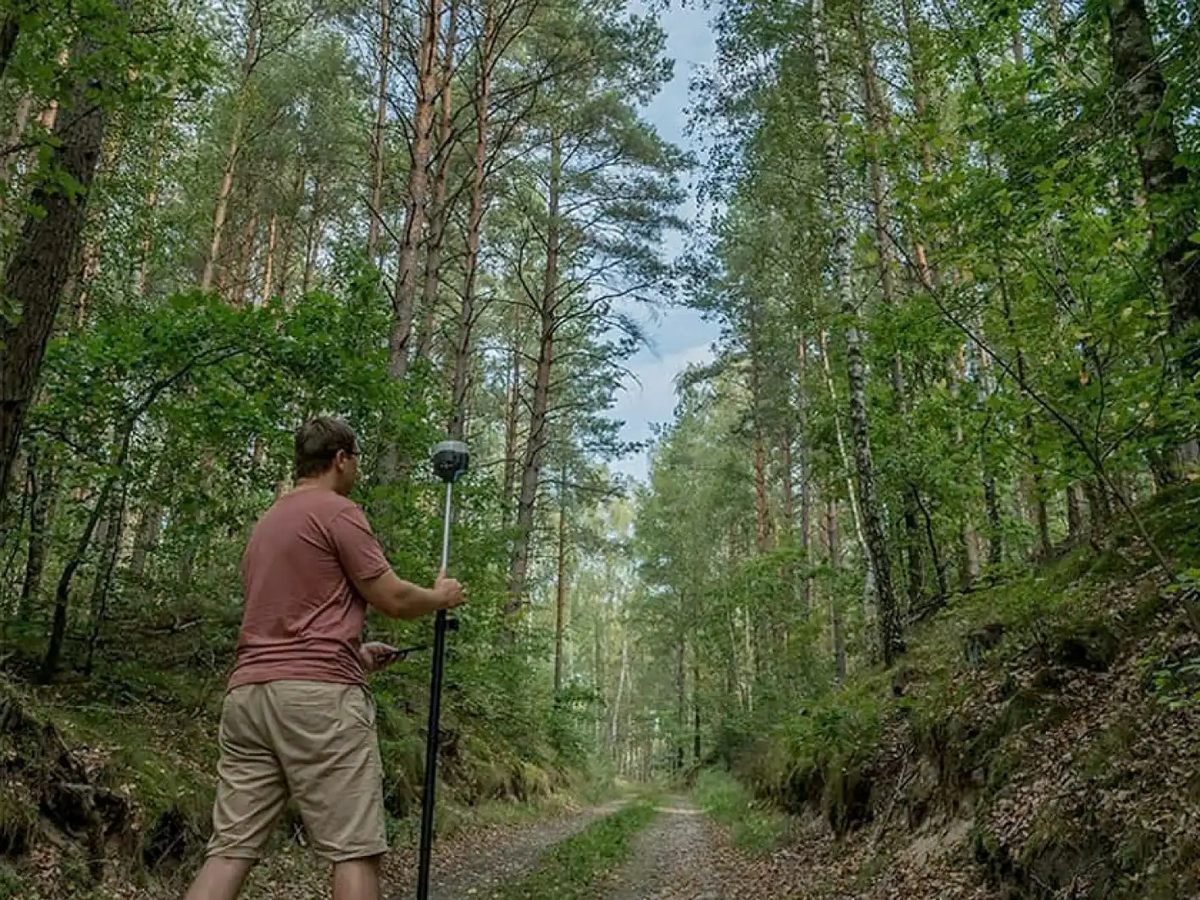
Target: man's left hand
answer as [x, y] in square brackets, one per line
[376, 655]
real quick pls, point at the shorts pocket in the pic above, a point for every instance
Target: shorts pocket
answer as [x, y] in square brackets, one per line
[360, 707]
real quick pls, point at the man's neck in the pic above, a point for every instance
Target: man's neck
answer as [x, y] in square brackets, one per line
[314, 484]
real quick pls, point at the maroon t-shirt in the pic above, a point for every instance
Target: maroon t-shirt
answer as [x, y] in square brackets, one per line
[303, 617]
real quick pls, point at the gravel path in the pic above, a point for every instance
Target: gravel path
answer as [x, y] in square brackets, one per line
[477, 860]
[675, 858]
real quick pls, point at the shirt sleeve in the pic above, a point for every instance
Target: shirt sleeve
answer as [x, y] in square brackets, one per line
[357, 548]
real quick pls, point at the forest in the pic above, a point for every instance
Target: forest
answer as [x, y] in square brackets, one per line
[907, 602]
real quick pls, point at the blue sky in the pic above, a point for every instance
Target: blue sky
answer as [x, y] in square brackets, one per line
[678, 337]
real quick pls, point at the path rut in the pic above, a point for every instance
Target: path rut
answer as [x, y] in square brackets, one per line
[676, 857]
[477, 861]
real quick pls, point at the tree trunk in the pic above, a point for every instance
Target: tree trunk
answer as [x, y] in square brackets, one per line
[439, 214]
[268, 289]
[40, 263]
[512, 420]
[313, 238]
[878, 115]
[10, 30]
[41, 510]
[1165, 177]
[834, 555]
[560, 592]
[102, 584]
[234, 150]
[695, 706]
[62, 594]
[890, 637]
[536, 442]
[404, 294]
[467, 314]
[379, 133]
[15, 134]
[1074, 512]
[681, 702]
[1034, 490]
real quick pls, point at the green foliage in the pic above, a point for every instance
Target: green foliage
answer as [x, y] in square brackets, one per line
[755, 828]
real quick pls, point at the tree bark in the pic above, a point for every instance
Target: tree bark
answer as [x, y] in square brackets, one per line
[439, 213]
[378, 134]
[1151, 123]
[536, 442]
[560, 592]
[40, 264]
[834, 556]
[233, 151]
[512, 420]
[41, 510]
[467, 313]
[102, 584]
[404, 294]
[878, 116]
[890, 635]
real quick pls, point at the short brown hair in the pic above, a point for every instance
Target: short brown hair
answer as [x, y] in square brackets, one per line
[318, 442]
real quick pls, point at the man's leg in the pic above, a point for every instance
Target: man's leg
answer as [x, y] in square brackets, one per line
[220, 878]
[356, 879]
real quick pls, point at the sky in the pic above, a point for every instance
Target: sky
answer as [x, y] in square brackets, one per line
[677, 337]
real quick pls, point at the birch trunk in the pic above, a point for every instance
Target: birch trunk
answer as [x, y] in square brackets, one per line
[890, 637]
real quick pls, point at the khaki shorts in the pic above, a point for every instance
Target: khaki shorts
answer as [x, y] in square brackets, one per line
[314, 740]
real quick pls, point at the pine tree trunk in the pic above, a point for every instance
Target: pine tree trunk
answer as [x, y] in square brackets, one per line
[378, 134]
[40, 263]
[531, 462]
[404, 295]
[439, 213]
[890, 637]
[467, 314]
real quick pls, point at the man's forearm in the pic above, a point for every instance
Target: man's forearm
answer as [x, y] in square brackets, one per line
[415, 601]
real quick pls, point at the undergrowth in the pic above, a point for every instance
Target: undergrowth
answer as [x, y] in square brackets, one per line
[990, 669]
[754, 826]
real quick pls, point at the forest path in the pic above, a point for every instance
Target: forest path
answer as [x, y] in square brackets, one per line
[678, 856]
[476, 861]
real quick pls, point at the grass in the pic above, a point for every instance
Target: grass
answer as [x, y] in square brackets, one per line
[568, 870]
[755, 828]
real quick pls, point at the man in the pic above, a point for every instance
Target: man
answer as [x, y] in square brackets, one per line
[298, 717]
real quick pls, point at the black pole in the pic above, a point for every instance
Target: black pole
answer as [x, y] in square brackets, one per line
[431, 753]
[450, 461]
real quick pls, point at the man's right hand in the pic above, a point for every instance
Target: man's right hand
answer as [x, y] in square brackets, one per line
[449, 592]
